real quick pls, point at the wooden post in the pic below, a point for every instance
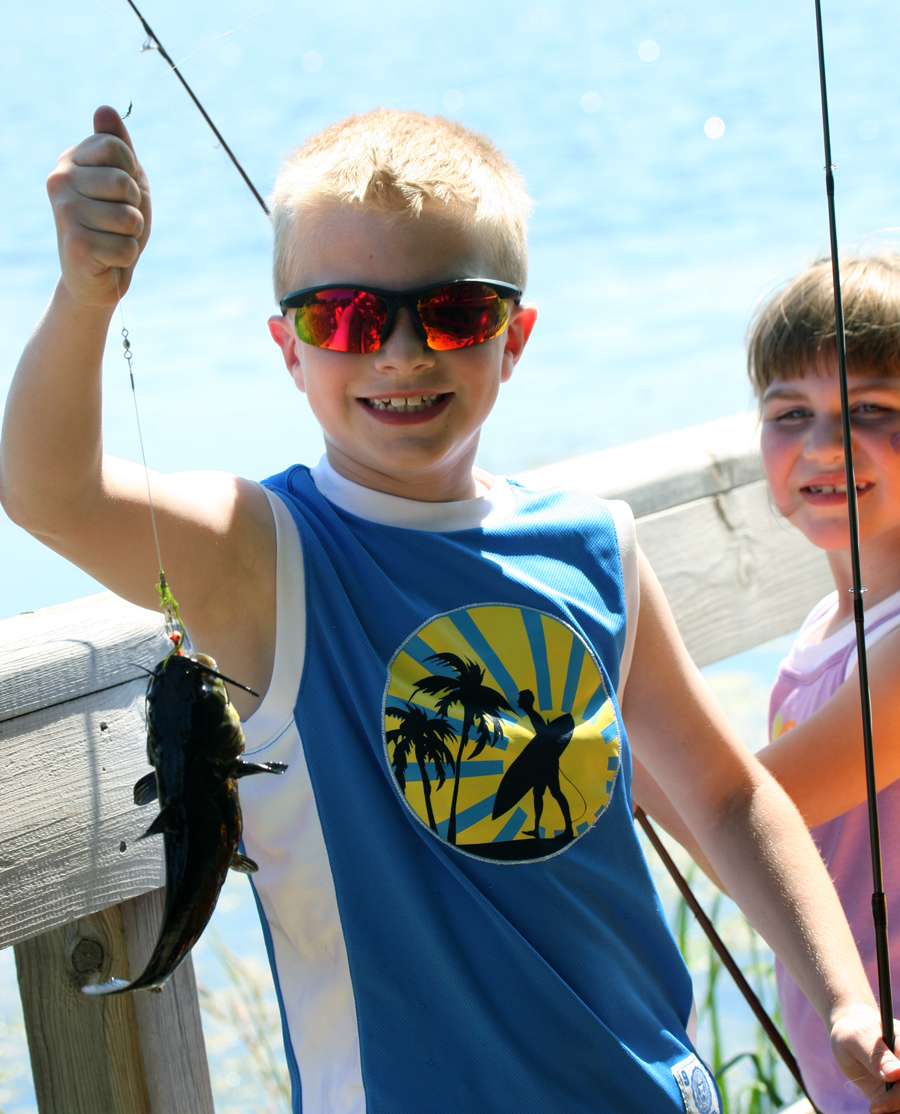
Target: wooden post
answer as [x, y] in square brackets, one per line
[139, 1053]
[85, 1054]
[171, 1034]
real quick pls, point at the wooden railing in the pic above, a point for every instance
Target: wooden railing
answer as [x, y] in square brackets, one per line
[79, 895]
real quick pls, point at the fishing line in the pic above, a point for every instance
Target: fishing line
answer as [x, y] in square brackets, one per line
[153, 43]
[879, 905]
[167, 602]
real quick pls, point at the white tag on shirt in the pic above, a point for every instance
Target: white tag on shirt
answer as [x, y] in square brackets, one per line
[698, 1092]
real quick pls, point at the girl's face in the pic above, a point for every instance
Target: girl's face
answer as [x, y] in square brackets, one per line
[803, 454]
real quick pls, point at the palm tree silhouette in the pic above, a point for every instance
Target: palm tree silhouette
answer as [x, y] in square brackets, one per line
[481, 707]
[426, 736]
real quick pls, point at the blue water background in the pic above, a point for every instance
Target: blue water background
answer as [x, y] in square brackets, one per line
[650, 241]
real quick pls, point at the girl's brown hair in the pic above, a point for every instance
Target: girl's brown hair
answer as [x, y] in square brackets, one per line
[792, 332]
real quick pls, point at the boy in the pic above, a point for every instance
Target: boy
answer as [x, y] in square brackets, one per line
[439, 652]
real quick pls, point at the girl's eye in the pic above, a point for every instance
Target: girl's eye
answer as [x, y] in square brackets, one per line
[795, 414]
[869, 410]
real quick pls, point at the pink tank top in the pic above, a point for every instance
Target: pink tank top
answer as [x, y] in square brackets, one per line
[808, 676]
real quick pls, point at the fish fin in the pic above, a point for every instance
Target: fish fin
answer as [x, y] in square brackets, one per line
[160, 824]
[242, 864]
[113, 986]
[243, 769]
[145, 789]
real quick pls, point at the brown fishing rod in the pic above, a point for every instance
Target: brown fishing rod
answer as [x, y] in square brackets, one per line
[879, 906]
[154, 43]
[723, 953]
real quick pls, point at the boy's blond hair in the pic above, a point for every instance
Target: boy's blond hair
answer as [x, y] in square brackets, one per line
[397, 163]
[791, 333]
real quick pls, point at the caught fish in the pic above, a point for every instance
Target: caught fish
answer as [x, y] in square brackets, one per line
[194, 743]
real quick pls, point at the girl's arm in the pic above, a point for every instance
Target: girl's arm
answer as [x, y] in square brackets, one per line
[754, 839]
[819, 763]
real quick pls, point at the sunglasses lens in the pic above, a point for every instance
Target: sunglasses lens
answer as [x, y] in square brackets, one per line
[461, 314]
[342, 319]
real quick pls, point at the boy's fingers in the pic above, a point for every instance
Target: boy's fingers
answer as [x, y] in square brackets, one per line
[101, 216]
[106, 183]
[108, 122]
[101, 251]
[111, 147]
[881, 1066]
[104, 150]
[865, 1058]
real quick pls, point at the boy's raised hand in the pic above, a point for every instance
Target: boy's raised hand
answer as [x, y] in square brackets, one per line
[101, 203]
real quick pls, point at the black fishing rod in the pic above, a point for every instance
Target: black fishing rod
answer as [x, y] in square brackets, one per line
[879, 906]
[154, 43]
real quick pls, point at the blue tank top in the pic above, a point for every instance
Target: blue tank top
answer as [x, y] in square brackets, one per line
[506, 945]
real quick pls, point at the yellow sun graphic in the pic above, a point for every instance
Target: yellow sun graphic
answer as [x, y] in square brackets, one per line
[500, 731]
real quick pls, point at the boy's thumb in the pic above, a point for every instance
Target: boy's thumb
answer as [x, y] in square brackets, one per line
[108, 122]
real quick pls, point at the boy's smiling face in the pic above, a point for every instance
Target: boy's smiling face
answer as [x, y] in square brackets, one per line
[427, 452]
[803, 455]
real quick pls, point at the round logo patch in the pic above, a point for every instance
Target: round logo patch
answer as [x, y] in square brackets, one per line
[500, 732]
[703, 1096]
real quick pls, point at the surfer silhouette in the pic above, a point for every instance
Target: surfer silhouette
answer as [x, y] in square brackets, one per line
[537, 767]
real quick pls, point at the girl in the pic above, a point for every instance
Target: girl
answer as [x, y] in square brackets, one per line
[815, 731]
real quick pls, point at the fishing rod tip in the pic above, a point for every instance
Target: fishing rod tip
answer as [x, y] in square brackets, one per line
[895, 442]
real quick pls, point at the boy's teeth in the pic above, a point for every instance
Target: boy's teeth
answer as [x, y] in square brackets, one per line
[413, 404]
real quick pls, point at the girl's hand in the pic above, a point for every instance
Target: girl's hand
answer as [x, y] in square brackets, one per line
[864, 1058]
[101, 202]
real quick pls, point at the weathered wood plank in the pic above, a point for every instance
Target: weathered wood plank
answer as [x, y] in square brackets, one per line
[85, 1055]
[735, 573]
[58, 653]
[68, 826]
[661, 472]
[171, 1035]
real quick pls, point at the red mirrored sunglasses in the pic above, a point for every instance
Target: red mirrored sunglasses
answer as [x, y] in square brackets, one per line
[456, 314]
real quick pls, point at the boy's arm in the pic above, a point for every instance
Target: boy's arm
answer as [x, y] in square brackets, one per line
[215, 531]
[647, 794]
[753, 837]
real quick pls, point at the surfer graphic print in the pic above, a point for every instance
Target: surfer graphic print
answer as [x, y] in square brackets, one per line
[500, 732]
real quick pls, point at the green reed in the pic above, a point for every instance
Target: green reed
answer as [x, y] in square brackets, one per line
[242, 1028]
